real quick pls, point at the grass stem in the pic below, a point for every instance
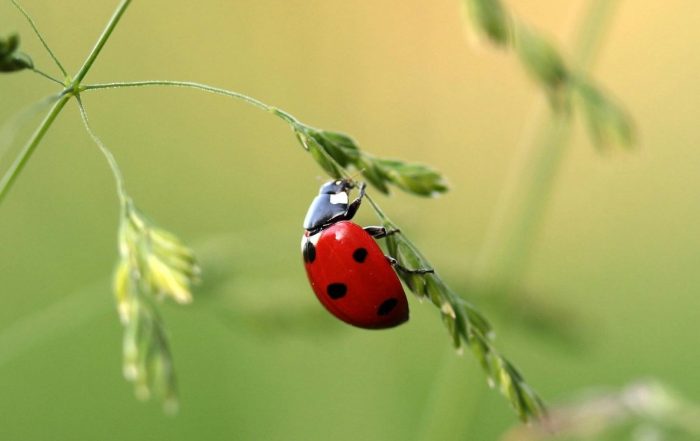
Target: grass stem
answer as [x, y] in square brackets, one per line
[41, 38]
[199, 86]
[514, 230]
[106, 33]
[519, 214]
[47, 76]
[16, 168]
[508, 243]
[116, 171]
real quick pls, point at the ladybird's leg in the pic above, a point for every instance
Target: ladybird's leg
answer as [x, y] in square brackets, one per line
[380, 232]
[354, 205]
[395, 263]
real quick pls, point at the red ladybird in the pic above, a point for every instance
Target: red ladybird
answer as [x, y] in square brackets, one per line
[348, 271]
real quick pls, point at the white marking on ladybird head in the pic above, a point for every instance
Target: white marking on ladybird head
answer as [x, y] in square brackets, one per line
[339, 198]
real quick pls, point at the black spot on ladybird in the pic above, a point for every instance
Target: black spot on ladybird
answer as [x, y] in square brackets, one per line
[309, 252]
[336, 290]
[359, 255]
[387, 306]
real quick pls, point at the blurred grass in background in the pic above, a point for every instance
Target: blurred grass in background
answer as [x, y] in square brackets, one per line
[617, 254]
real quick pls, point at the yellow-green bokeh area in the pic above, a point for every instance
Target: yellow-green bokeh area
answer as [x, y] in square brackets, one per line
[256, 356]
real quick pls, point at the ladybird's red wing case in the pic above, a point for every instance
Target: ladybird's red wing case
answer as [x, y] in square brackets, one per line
[352, 278]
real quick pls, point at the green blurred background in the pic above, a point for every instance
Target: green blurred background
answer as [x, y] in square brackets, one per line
[257, 358]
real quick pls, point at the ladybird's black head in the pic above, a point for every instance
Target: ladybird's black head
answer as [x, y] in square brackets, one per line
[337, 186]
[331, 205]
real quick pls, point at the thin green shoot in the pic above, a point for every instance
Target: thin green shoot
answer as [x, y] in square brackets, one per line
[193, 85]
[113, 165]
[47, 76]
[43, 41]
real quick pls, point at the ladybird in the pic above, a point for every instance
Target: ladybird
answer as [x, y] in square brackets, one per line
[347, 269]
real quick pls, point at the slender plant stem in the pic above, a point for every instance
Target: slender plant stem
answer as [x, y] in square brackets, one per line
[16, 168]
[593, 30]
[101, 42]
[192, 85]
[41, 38]
[519, 214]
[116, 171]
[509, 242]
[380, 213]
[45, 75]
[13, 172]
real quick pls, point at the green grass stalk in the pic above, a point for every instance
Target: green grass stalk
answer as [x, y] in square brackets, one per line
[31, 22]
[106, 33]
[197, 86]
[15, 169]
[17, 166]
[514, 228]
